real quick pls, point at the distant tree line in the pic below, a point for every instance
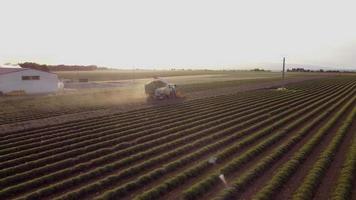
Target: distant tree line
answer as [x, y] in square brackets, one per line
[259, 70]
[48, 68]
[308, 70]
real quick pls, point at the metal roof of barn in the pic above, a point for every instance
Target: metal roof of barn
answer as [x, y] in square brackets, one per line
[5, 70]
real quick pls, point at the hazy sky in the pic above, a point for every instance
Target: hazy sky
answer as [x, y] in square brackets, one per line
[178, 33]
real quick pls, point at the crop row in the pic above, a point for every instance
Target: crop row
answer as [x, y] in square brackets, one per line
[346, 180]
[287, 169]
[83, 177]
[31, 172]
[139, 122]
[314, 177]
[132, 113]
[18, 148]
[130, 137]
[198, 169]
[249, 176]
[99, 152]
[223, 155]
[203, 186]
[85, 135]
[60, 175]
[124, 117]
[143, 142]
[168, 131]
[74, 125]
[14, 117]
[11, 117]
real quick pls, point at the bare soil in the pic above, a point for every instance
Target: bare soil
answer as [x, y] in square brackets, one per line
[261, 181]
[177, 193]
[326, 187]
[294, 182]
[142, 103]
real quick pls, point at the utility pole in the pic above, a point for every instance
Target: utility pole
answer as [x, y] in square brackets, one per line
[284, 65]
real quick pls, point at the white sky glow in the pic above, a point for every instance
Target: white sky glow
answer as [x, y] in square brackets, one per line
[181, 33]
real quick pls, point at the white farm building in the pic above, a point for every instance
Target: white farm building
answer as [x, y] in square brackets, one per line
[29, 81]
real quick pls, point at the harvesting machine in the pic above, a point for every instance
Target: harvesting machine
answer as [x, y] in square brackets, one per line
[159, 89]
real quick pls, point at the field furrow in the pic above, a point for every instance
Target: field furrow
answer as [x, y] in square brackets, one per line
[297, 143]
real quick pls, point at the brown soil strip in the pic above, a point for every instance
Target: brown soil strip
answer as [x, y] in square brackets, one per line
[294, 182]
[267, 175]
[326, 188]
[353, 193]
[37, 123]
[180, 170]
[176, 194]
[248, 87]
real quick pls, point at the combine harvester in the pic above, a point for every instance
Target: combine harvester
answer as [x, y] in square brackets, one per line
[159, 89]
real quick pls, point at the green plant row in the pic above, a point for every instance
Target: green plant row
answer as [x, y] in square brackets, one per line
[87, 124]
[287, 170]
[346, 179]
[14, 116]
[163, 188]
[203, 186]
[58, 175]
[136, 125]
[173, 117]
[249, 176]
[96, 146]
[222, 156]
[101, 136]
[71, 111]
[128, 138]
[172, 146]
[313, 178]
[123, 120]
[85, 143]
[144, 111]
[105, 119]
[170, 167]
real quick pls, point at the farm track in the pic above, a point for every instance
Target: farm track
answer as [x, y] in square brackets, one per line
[163, 152]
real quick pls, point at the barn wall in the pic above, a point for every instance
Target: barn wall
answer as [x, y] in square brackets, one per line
[13, 81]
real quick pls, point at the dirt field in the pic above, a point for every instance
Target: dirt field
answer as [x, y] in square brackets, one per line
[97, 98]
[297, 143]
[125, 94]
[119, 75]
